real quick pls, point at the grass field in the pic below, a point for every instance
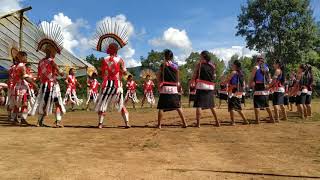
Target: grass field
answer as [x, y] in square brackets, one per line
[288, 150]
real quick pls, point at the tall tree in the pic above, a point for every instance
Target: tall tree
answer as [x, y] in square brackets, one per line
[283, 29]
[153, 60]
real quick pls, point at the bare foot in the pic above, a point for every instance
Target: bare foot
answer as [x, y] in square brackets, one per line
[59, 125]
[24, 122]
[246, 122]
[100, 126]
[271, 121]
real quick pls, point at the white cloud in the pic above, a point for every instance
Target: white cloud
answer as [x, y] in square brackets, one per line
[226, 53]
[7, 6]
[132, 63]
[176, 39]
[173, 38]
[127, 54]
[69, 29]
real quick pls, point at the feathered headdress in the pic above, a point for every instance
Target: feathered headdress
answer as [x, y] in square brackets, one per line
[144, 73]
[111, 31]
[49, 37]
[13, 52]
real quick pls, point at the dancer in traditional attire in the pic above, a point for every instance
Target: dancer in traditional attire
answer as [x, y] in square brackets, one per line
[148, 86]
[278, 89]
[309, 83]
[93, 85]
[286, 92]
[192, 92]
[169, 88]
[71, 92]
[50, 41]
[235, 92]
[301, 90]
[32, 94]
[3, 94]
[203, 77]
[131, 91]
[292, 97]
[10, 102]
[260, 81]
[223, 93]
[22, 89]
[110, 40]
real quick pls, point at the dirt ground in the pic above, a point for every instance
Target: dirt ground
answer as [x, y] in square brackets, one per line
[288, 150]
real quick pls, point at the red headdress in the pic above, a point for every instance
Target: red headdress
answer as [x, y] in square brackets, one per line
[111, 35]
[49, 37]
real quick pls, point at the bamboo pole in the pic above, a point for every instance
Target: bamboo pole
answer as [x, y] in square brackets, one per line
[21, 30]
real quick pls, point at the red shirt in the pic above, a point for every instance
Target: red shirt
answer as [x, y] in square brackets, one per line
[93, 85]
[112, 68]
[46, 73]
[132, 85]
[72, 82]
[28, 71]
[148, 86]
[12, 71]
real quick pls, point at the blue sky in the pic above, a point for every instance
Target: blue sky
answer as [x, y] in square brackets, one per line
[205, 24]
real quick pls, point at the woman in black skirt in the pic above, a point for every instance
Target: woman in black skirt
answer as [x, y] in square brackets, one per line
[192, 92]
[286, 96]
[169, 88]
[223, 93]
[259, 80]
[235, 92]
[278, 89]
[309, 79]
[292, 98]
[203, 77]
[300, 89]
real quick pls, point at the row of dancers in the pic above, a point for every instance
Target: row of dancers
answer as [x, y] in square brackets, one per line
[111, 92]
[289, 101]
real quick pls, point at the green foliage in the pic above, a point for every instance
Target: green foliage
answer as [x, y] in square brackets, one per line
[153, 60]
[284, 29]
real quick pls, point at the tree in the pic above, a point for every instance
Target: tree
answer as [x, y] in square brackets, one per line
[153, 61]
[283, 29]
[318, 38]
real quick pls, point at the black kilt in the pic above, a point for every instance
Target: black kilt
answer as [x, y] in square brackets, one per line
[301, 99]
[292, 99]
[261, 101]
[278, 98]
[234, 103]
[308, 99]
[286, 100]
[270, 96]
[192, 97]
[169, 102]
[223, 96]
[204, 99]
[243, 99]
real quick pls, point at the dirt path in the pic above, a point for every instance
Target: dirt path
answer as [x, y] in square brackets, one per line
[80, 151]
